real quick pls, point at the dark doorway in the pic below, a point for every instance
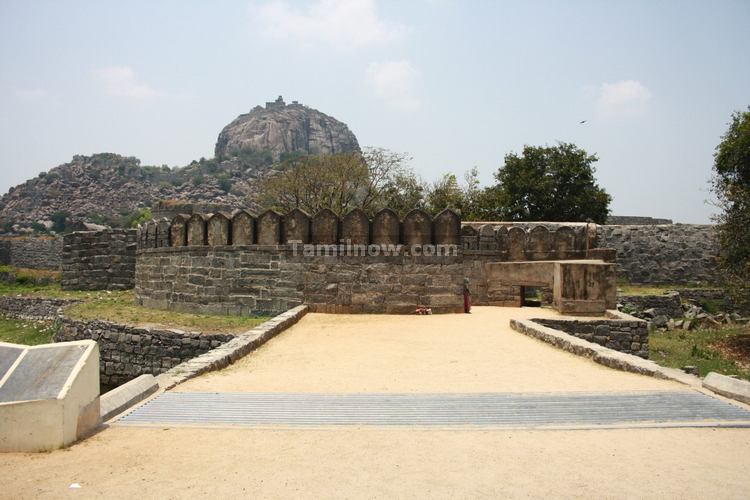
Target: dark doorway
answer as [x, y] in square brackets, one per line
[531, 296]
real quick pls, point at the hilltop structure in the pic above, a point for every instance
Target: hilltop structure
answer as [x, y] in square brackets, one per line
[285, 128]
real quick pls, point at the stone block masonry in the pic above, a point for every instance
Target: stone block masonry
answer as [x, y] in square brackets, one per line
[621, 333]
[270, 279]
[33, 308]
[32, 252]
[668, 305]
[671, 254]
[128, 351]
[99, 260]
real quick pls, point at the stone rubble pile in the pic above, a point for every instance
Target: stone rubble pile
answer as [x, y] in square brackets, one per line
[694, 317]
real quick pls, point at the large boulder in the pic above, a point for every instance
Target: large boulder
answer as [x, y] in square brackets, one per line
[281, 128]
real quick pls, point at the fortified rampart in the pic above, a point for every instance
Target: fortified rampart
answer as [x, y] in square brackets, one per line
[244, 264]
[99, 260]
[667, 253]
[32, 252]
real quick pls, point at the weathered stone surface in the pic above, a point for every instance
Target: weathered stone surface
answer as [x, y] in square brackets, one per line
[418, 228]
[386, 227]
[178, 230]
[32, 252]
[487, 238]
[469, 238]
[264, 280]
[355, 228]
[127, 352]
[243, 228]
[564, 243]
[446, 227]
[281, 128]
[268, 226]
[99, 260]
[517, 246]
[325, 228]
[217, 228]
[163, 232]
[196, 230]
[33, 308]
[151, 229]
[539, 244]
[296, 226]
[677, 254]
[623, 335]
[503, 241]
[668, 305]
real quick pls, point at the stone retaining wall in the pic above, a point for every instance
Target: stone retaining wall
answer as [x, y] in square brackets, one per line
[624, 335]
[99, 260]
[33, 308]
[127, 351]
[664, 305]
[672, 254]
[32, 252]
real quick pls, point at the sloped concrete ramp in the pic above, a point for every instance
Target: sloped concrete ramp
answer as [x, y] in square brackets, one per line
[504, 410]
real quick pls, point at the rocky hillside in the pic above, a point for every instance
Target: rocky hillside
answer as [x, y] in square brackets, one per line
[110, 189]
[281, 128]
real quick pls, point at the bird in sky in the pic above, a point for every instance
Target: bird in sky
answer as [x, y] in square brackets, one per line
[582, 122]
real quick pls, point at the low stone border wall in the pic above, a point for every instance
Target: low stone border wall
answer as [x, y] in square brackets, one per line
[668, 305]
[33, 308]
[228, 353]
[123, 397]
[600, 354]
[729, 387]
[129, 351]
[624, 333]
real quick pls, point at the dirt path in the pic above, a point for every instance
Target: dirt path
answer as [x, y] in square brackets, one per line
[440, 353]
[146, 463]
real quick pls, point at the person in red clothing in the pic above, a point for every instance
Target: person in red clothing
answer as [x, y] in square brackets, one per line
[467, 296]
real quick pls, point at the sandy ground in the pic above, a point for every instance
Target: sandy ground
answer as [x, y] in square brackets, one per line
[148, 463]
[475, 352]
[457, 353]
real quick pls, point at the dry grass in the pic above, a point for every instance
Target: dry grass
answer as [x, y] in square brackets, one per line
[120, 307]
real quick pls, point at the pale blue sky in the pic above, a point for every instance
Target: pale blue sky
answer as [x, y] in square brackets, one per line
[456, 84]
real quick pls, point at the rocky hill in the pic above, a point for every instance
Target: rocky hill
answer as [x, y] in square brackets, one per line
[110, 189]
[281, 128]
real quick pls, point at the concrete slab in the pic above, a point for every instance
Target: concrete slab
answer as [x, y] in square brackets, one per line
[728, 386]
[49, 396]
[125, 396]
[41, 374]
[8, 355]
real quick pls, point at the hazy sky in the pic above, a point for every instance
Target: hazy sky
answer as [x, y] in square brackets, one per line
[455, 83]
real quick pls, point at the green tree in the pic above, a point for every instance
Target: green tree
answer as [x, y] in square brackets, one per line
[731, 184]
[138, 217]
[445, 193]
[59, 221]
[370, 181]
[547, 183]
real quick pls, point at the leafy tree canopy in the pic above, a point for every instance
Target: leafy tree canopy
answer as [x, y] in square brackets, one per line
[550, 183]
[731, 184]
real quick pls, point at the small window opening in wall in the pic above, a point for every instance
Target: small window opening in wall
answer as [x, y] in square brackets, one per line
[531, 296]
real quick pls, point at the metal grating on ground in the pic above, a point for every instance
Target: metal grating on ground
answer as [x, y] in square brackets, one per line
[491, 409]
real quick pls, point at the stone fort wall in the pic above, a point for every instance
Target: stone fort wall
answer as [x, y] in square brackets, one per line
[99, 260]
[37, 252]
[666, 253]
[244, 264]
